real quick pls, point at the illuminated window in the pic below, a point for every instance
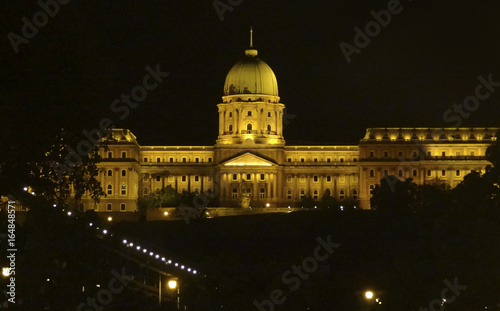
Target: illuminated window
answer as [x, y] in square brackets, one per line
[289, 194]
[372, 173]
[315, 194]
[341, 194]
[249, 127]
[315, 178]
[371, 188]
[196, 178]
[110, 189]
[109, 206]
[262, 193]
[124, 189]
[158, 178]
[122, 207]
[124, 173]
[110, 173]
[235, 177]
[262, 176]
[355, 194]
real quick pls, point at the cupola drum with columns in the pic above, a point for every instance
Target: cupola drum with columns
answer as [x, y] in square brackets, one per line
[250, 112]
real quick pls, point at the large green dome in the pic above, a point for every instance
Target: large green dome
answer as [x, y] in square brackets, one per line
[251, 76]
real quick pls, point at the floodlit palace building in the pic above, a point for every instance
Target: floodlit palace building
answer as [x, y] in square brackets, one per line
[250, 155]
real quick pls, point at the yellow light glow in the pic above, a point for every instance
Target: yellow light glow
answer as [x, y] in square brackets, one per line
[166, 213]
[6, 272]
[172, 284]
[368, 294]
[110, 218]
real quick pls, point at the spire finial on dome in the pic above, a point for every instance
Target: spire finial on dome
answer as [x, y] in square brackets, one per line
[251, 37]
[251, 51]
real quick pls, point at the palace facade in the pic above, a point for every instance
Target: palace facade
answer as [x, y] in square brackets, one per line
[250, 155]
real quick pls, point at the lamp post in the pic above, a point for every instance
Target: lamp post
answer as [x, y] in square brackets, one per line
[173, 285]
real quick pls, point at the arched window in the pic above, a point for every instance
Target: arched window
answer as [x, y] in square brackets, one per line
[355, 194]
[249, 176]
[235, 193]
[158, 178]
[124, 173]
[315, 194]
[302, 193]
[196, 178]
[371, 188]
[249, 127]
[110, 189]
[109, 206]
[269, 127]
[145, 191]
[124, 189]
[400, 173]
[372, 173]
[230, 127]
[315, 178]
[341, 194]
[110, 173]
[262, 193]
[289, 194]
[415, 173]
[328, 178]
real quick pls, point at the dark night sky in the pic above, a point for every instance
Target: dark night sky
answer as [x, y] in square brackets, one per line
[426, 59]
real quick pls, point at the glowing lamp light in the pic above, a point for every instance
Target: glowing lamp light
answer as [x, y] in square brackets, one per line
[105, 231]
[368, 294]
[110, 218]
[90, 224]
[182, 267]
[25, 188]
[166, 213]
[144, 250]
[267, 204]
[194, 272]
[138, 247]
[124, 241]
[172, 284]
[162, 258]
[5, 272]
[151, 253]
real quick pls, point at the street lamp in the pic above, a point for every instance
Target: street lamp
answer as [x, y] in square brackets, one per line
[5, 272]
[172, 284]
[369, 295]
